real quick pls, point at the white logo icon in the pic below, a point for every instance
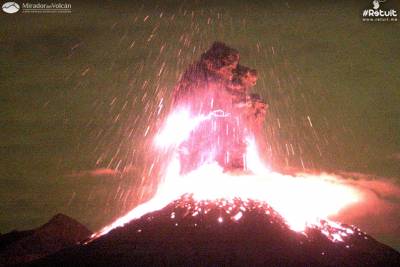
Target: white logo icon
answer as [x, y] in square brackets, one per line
[10, 7]
[376, 13]
[376, 3]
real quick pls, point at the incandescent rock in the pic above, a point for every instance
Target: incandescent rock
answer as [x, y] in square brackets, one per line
[237, 233]
[219, 87]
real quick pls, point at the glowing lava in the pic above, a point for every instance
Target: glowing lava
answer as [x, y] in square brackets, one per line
[211, 133]
[303, 200]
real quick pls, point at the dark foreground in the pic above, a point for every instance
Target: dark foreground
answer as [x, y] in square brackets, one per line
[189, 233]
[60, 232]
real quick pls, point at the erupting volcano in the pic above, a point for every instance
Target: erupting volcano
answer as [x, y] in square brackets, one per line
[213, 132]
[218, 203]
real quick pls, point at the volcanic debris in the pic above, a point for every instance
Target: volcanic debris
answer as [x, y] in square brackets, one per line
[217, 84]
[221, 233]
[205, 233]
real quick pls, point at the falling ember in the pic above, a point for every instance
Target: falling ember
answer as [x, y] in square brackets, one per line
[302, 200]
[213, 131]
[238, 216]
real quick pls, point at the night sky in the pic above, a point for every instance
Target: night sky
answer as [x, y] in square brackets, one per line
[80, 94]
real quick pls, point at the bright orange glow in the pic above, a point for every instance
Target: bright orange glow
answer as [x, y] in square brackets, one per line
[303, 200]
[180, 124]
[174, 131]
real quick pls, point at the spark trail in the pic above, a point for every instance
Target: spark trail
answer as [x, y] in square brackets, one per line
[213, 131]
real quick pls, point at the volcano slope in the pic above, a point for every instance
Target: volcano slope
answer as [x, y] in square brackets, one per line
[222, 233]
[18, 247]
[190, 232]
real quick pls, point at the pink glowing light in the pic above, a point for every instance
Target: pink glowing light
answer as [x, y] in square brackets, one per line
[303, 200]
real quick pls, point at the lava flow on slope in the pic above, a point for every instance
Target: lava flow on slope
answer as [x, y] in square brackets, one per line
[218, 204]
[214, 130]
[189, 232]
